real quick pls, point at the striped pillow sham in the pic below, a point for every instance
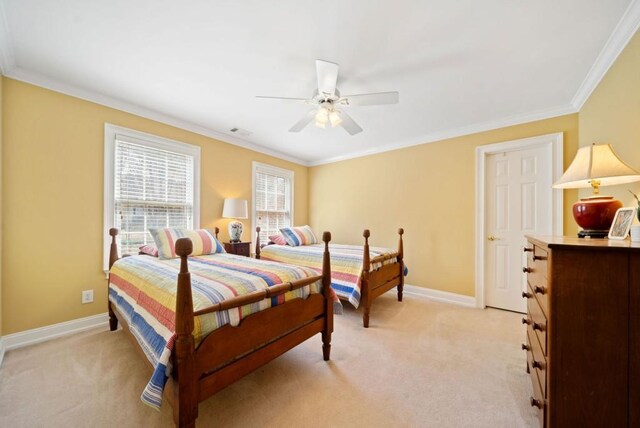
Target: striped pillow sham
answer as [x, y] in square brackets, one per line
[204, 242]
[296, 236]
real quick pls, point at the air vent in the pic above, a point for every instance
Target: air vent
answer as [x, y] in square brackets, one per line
[240, 131]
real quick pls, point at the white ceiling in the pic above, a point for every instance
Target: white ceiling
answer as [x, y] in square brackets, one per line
[460, 66]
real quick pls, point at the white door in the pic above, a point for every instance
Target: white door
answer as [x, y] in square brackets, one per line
[518, 202]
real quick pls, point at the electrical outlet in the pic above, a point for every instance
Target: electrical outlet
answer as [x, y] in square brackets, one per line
[87, 296]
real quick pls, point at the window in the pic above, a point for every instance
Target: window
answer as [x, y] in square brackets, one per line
[272, 199]
[149, 182]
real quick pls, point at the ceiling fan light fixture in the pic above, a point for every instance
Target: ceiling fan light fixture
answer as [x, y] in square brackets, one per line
[326, 97]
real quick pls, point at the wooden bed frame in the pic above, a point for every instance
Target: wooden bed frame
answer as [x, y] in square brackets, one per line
[374, 282]
[229, 353]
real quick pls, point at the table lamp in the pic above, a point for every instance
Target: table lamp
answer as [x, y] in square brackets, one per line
[235, 208]
[594, 166]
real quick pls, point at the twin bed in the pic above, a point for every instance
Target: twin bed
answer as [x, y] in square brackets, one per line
[202, 330]
[203, 322]
[359, 273]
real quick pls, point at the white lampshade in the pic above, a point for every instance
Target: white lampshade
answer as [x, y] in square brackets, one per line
[235, 208]
[597, 162]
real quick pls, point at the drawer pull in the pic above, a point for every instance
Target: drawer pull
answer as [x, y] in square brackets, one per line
[526, 321]
[537, 365]
[527, 270]
[539, 290]
[528, 250]
[536, 403]
[539, 257]
[526, 347]
[538, 326]
[526, 295]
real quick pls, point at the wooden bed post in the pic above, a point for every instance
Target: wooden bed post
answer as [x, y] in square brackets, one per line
[258, 242]
[186, 406]
[113, 257]
[216, 230]
[364, 289]
[328, 298]
[401, 263]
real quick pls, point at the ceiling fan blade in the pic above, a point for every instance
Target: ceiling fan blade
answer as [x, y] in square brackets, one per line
[306, 119]
[327, 77]
[285, 99]
[348, 124]
[371, 99]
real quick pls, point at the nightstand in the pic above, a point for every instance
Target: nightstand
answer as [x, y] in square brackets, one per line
[238, 248]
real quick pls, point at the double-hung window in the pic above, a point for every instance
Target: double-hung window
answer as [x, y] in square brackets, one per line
[272, 199]
[150, 182]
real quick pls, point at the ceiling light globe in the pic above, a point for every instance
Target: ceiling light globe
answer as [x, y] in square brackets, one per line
[334, 118]
[322, 116]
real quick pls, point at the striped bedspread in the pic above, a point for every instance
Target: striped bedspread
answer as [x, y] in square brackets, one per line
[143, 289]
[346, 264]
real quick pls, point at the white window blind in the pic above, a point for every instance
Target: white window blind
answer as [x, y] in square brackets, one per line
[150, 182]
[153, 188]
[272, 199]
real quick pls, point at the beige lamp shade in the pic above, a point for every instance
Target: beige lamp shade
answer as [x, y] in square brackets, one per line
[596, 165]
[235, 208]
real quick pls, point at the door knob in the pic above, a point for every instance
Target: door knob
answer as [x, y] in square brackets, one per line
[492, 238]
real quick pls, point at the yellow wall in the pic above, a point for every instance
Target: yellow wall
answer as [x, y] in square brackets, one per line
[53, 199]
[612, 115]
[429, 190]
[52, 147]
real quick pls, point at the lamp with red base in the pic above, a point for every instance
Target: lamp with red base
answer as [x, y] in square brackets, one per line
[594, 166]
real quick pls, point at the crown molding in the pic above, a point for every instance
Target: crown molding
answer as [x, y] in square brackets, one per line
[626, 28]
[98, 98]
[7, 61]
[454, 133]
[43, 81]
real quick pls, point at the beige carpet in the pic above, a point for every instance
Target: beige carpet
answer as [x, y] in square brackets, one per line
[421, 364]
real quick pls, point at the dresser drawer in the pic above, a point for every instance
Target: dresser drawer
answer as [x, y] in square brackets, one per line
[537, 276]
[537, 322]
[536, 359]
[243, 250]
[537, 399]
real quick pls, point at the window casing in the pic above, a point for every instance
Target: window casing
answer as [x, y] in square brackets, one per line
[272, 200]
[149, 182]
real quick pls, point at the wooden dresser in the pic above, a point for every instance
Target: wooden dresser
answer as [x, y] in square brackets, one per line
[583, 331]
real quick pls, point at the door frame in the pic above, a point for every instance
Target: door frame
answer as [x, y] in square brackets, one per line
[556, 141]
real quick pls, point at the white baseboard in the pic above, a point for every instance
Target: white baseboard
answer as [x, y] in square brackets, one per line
[440, 296]
[1, 351]
[42, 334]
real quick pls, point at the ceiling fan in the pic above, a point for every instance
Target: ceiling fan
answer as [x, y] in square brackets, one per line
[328, 103]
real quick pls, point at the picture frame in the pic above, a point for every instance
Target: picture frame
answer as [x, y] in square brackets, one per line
[622, 223]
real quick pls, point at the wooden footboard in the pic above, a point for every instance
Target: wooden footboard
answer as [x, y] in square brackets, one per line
[379, 281]
[229, 353]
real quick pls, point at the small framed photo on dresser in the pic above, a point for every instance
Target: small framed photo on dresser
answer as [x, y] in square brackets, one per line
[622, 223]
